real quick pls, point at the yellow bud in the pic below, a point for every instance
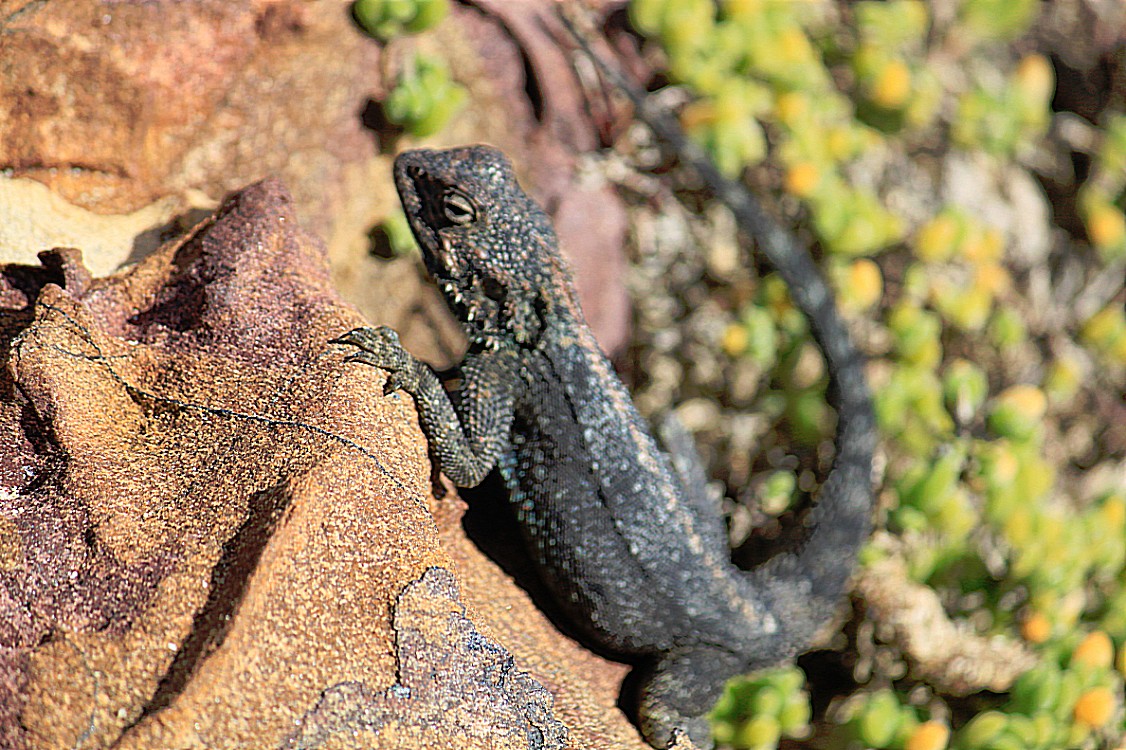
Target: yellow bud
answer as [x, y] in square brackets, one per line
[838, 141]
[801, 179]
[1114, 511]
[735, 340]
[1035, 77]
[1095, 707]
[791, 107]
[794, 45]
[1026, 399]
[865, 284]
[892, 85]
[930, 735]
[742, 8]
[1106, 226]
[1017, 414]
[1105, 328]
[1094, 651]
[987, 246]
[935, 241]
[1036, 628]
[696, 115]
[1000, 464]
[992, 278]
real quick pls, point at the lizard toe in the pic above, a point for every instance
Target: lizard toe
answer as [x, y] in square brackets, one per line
[397, 381]
[370, 338]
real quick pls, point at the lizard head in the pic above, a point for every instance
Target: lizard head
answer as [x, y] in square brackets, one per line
[489, 247]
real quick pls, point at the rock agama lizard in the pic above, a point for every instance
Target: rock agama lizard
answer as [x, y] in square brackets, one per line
[635, 556]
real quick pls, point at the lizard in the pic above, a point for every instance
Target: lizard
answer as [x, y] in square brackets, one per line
[635, 556]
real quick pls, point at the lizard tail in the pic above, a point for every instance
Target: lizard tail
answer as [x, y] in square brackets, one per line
[799, 588]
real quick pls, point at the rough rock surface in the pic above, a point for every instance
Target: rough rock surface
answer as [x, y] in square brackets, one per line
[119, 105]
[214, 533]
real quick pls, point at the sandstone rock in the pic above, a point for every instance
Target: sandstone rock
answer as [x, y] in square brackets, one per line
[215, 533]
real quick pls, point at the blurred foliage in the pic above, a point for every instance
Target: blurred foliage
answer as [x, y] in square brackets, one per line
[397, 230]
[762, 709]
[424, 96]
[974, 387]
[385, 19]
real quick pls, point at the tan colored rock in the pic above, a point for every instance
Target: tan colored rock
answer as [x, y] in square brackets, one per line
[214, 533]
[33, 219]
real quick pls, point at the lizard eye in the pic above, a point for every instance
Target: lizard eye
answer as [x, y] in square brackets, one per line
[458, 208]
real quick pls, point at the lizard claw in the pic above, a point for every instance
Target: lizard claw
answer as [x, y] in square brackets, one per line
[395, 382]
[380, 347]
[346, 338]
[369, 338]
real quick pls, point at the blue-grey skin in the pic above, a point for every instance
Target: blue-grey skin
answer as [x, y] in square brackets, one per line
[636, 559]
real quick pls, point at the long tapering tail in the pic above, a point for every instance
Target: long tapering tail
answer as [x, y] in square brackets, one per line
[800, 587]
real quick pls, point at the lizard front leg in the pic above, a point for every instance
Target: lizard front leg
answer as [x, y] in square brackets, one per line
[466, 438]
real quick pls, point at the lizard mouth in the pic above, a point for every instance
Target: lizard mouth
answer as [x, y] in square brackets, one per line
[488, 321]
[481, 316]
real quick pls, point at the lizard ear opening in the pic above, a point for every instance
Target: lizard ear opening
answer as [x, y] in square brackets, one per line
[493, 289]
[458, 207]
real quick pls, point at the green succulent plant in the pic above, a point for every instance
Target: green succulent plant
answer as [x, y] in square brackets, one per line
[969, 394]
